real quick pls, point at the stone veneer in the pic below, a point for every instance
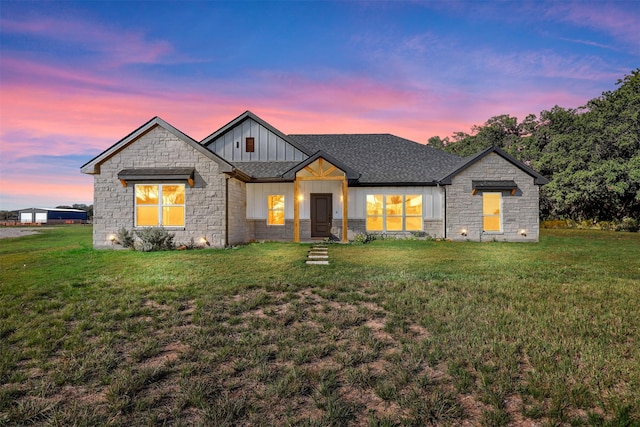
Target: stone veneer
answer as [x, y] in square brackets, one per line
[519, 212]
[432, 228]
[240, 229]
[262, 231]
[158, 148]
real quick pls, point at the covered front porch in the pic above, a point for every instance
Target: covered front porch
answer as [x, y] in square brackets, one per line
[320, 194]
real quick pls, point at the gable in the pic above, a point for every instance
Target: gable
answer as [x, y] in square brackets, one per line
[470, 161]
[93, 165]
[321, 165]
[250, 139]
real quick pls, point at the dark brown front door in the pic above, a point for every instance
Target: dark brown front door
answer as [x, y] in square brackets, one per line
[321, 209]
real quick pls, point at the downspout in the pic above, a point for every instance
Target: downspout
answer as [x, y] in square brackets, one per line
[445, 210]
[226, 211]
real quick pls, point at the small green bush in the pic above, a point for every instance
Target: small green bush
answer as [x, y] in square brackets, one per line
[364, 238]
[154, 239]
[125, 238]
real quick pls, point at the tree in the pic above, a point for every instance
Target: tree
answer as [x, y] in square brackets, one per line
[590, 154]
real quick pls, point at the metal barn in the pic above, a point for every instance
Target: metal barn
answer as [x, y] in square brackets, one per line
[52, 216]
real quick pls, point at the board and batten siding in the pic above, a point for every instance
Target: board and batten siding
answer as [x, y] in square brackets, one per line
[432, 206]
[267, 147]
[257, 198]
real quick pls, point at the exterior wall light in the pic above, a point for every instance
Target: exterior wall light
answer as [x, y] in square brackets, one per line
[463, 232]
[204, 241]
[523, 233]
[300, 197]
[112, 238]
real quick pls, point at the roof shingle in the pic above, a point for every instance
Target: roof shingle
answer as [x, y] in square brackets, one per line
[383, 158]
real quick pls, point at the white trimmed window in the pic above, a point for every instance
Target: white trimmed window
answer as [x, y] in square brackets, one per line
[492, 212]
[394, 212]
[160, 205]
[275, 205]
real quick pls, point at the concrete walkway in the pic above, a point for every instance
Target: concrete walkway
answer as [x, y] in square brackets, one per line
[318, 254]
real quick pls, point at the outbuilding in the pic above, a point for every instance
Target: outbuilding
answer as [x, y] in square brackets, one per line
[52, 216]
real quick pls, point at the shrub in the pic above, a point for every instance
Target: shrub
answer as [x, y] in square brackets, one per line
[628, 224]
[554, 224]
[125, 238]
[154, 239]
[364, 238]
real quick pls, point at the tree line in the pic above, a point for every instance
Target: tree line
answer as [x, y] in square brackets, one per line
[590, 154]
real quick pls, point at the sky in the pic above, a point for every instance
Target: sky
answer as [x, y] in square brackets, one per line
[78, 76]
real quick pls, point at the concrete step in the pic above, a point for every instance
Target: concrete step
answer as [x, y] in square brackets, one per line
[318, 255]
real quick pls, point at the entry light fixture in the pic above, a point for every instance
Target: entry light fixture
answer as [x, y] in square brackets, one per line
[463, 232]
[523, 232]
[204, 241]
[112, 238]
[300, 197]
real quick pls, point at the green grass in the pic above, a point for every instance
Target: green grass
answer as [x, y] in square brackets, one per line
[392, 333]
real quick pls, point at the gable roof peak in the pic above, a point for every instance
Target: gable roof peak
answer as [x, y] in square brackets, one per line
[93, 165]
[468, 161]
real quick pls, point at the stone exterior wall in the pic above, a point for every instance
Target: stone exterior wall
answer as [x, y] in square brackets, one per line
[432, 227]
[240, 230]
[280, 233]
[158, 148]
[519, 212]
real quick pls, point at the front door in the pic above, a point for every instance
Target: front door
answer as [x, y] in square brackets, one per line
[321, 210]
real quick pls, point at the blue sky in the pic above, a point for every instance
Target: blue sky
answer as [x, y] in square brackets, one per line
[76, 77]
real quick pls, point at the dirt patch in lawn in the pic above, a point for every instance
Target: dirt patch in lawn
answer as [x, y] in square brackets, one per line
[13, 232]
[305, 357]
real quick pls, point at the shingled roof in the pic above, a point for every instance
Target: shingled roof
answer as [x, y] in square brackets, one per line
[265, 170]
[383, 158]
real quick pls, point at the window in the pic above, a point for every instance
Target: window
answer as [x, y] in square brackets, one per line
[394, 212]
[250, 145]
[159, 204]
[492, 211]
[413, 212]
[276, 210]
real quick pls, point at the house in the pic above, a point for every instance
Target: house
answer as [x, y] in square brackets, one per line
[52, 216]
[249, 181]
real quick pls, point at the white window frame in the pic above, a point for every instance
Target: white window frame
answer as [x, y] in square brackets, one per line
[404, 213]
[160, 206]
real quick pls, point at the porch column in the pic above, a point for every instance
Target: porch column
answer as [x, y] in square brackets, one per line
[296, 211]
[345, 210]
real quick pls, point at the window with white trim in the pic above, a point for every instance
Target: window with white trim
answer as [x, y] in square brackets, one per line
[159, 205]
[394, 212]
[492, 212]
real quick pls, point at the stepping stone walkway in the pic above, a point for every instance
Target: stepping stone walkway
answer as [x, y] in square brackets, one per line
[318, 254]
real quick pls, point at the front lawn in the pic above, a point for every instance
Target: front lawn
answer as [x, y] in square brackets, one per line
[391, 333]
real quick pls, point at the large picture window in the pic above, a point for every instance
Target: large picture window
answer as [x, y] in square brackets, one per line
[276, 210]
[159, 205]
[492, 212]
[394, 212]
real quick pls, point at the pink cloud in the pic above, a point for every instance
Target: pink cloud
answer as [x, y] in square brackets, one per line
[44, 191]
[117, 46]
[620, 19]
